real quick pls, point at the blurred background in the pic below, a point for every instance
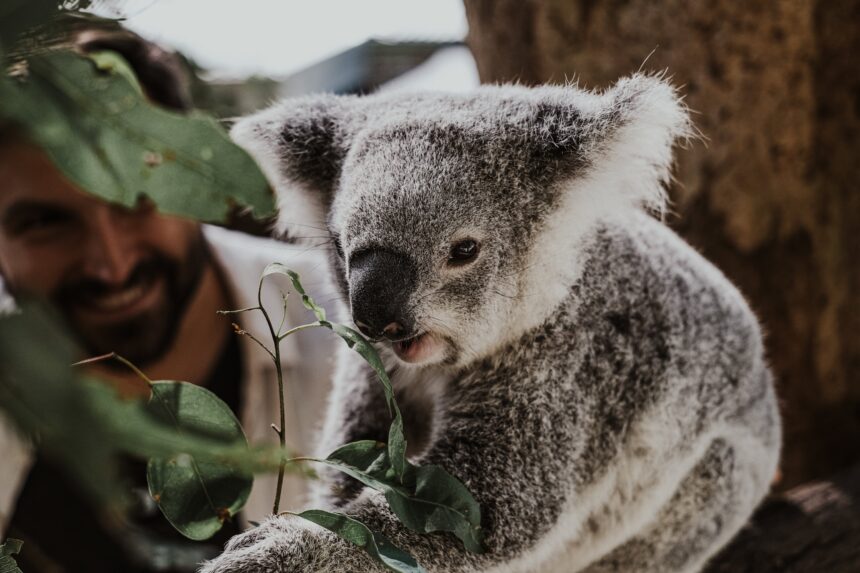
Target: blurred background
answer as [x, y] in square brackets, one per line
[244, 58]
[768, 193]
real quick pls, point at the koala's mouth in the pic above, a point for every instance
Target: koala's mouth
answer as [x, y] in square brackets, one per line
[420, 348]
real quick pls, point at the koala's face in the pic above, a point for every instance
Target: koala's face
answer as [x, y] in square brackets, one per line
[449, 215]
[430, 250]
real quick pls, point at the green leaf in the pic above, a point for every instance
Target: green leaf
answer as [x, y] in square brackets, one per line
[197, 497]
[427, 499]
[11, 547]
[374, 543]
[84, 425]
[92, 120]
[396, 437]
[7, 550]
[42, 398]
[307, 301]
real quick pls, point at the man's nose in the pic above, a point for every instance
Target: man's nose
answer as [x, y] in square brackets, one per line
[106, 253]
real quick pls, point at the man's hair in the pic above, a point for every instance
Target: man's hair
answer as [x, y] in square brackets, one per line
[163, 75]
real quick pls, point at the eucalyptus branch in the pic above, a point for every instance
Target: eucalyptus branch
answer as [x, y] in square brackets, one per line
[275, 354]
[276, 358]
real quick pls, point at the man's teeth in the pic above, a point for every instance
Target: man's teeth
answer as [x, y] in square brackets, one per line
[120, 299]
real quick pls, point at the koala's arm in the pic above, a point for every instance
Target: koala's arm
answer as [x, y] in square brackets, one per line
[515, 482]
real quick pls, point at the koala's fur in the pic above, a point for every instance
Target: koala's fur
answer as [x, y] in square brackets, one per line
[603, 390]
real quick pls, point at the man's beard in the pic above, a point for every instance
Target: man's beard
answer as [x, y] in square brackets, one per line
[147, 337]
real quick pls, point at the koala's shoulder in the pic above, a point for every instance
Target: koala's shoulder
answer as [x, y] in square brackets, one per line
[637, 267]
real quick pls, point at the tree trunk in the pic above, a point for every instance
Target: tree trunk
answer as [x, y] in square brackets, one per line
[770, 197]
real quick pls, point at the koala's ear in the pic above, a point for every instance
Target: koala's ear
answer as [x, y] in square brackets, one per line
[300, 144]
[624, 138]
[645, 118]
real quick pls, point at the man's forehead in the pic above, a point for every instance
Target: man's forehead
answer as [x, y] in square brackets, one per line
[27, 174]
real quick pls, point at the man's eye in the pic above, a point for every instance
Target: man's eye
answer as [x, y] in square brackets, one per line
[44, 221]
[463, 252]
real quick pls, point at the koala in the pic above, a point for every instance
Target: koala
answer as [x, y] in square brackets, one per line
[598, 386]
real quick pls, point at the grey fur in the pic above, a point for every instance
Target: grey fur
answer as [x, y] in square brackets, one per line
[602, 389]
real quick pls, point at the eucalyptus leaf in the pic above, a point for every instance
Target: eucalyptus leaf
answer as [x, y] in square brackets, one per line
[83, 424]
[307, 301]
[374, 543]
[7, 550]
[42, 398]
[135, 431]
[396, 436]
[197, 497]
[11, 547]
[90, 116]
[427, 499]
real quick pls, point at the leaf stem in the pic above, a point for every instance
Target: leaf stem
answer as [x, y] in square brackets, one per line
[305, 459]
[118, 358]
[298, 328]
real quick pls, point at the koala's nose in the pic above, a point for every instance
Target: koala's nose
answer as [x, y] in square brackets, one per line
[380, 284]
[393, 331]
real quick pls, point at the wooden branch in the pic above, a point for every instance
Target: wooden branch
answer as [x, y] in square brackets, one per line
[814, 528]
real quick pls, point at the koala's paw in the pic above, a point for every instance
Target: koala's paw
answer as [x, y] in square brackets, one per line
[279, 545]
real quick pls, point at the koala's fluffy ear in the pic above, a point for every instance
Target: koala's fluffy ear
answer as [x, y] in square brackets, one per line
[625, 139]
[300, 144]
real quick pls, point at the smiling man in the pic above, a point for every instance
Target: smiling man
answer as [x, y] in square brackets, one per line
[147, 286]
[123, 278]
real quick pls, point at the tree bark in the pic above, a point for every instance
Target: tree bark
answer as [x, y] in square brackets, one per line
[770, 197]
[812, 529]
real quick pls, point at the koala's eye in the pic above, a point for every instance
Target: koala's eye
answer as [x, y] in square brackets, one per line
[463, 252]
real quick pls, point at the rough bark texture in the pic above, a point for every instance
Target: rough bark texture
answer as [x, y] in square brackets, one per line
[771, 196]
[812, 529]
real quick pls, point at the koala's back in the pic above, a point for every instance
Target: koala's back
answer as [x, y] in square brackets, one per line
[653, 359]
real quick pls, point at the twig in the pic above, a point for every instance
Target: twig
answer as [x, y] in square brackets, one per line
[276, 358]
[118, 358]
[275, 355]
[242, 332]
[239, 311]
